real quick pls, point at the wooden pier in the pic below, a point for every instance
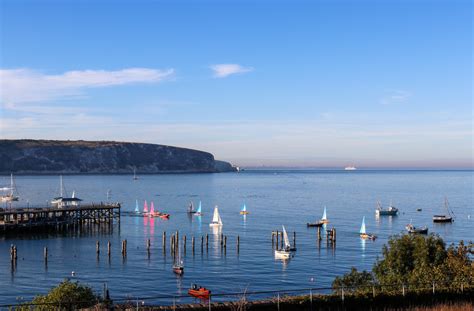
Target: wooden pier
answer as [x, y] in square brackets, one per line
[25, 219]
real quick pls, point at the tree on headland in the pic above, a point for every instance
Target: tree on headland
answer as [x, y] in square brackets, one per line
[417, 261]
[66, 296]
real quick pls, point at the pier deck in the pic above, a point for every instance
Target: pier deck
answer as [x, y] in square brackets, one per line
[19, 219]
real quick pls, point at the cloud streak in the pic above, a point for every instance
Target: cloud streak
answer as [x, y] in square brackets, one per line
[396, 97]
[225, 70]
[20, 86]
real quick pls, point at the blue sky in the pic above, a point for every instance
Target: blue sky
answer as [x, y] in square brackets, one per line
[290, 83]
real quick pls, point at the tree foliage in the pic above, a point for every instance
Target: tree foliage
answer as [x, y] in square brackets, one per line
[66, 296]
[417, 261]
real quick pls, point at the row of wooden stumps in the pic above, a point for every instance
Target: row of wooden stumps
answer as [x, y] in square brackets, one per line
[13, 255]
[277, 239]
[175, 243]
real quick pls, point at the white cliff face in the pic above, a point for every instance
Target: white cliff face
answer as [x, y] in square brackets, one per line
[88, 157]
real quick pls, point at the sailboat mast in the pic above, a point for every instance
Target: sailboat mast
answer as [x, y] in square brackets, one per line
[11, 184]
[61, 185]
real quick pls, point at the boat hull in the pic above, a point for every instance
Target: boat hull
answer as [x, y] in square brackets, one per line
[199, 293]
[178, 270]
[243, 213]
[442, 218]
[367, 236]
[281, 254]
[315, 224]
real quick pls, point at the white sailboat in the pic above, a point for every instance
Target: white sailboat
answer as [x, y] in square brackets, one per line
[284, 253]
[363, 232]
[324, 219]
[10, 197]
[137, 210]
[198, 211]
[243, 211]
[216, 218]
[63, 200]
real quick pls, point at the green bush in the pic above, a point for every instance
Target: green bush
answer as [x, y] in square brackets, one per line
[417, 261]
[66, 296]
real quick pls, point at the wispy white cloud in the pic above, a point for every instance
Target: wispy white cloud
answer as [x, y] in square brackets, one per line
[395, 97]
[20, 86]
[225, 70]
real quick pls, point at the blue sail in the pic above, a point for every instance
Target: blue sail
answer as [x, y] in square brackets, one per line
[324, 214]
[244, 208]
[199, 208]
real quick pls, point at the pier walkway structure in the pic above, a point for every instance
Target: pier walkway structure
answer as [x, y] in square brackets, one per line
[20, 219]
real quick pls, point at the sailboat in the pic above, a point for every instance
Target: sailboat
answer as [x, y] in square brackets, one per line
[152, 210]
[444, 218]
[178, 265]
[243, 211]
[363, 233]
[11, 196]
[319, 223]
[63, 200]
[191, 208]
[216, 218]
[135, 177]
[145, 208]
[137, 210]
[198, 211]
[284, 253]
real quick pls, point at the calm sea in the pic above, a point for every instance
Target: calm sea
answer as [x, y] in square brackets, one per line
[273, 198]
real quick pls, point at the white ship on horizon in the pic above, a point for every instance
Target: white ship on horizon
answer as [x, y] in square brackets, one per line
[350, 168]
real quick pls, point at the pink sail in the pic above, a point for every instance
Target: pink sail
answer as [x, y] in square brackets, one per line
[152, 208]
[145, 208]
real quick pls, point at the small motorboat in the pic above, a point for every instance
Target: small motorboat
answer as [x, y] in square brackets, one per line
[164, 216]
[199, 292]
[418, 209]
[412, 229]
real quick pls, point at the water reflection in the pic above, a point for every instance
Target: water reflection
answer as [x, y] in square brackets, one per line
[362, 246]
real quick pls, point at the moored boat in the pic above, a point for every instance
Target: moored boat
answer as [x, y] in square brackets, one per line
[412, 229]
[285, 252]
[10, 197]
[191, 208]
[390, 211]
[445, 218]
[324, 219]
[199, 210]
[63, 200]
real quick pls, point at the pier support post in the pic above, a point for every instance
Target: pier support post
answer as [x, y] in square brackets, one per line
[281, 240]
[124, 248]
[184, 245]
[148, 245]
[207, 241]
[202, 243]
[164, 241]
[108, 248]
[192, 243]
[238, 243]
[277, 240]
[294, 238]
[319, 233]
[97, 247]
[225, 241]
[45, 253]
[273, 238]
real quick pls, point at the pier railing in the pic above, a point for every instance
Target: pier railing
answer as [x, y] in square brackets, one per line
[284, 299]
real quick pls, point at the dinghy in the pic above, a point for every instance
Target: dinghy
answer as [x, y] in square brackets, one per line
[198, 211]
[216, 218]
[199, 292]
[363, 234]
[412, 229]
[284, 253]
[243, 211]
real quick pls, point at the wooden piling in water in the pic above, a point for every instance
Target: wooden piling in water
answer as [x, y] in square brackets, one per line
[238, 243]
[207, 241]
[148, 245]
[192, 243]
[277, 239]
[97, 247]
[225, 241]
[334, 235]
[172, 245]
[184, 244]
[294, 238]
[202, 243]
[164, 241]
[273, 238]
[319, 233]
[281, 240]
[108, 248]
[45, 254]
[124, 248]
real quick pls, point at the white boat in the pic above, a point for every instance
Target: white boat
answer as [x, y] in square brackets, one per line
[284, 253]
[63, 200]
[198, 211]
[10, 197]
[324, 219]
[363, 232]
[137, 210]
[216, 218]
[350, 168]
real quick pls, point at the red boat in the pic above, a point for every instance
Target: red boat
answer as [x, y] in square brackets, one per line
[178, 269]
[199, 292]
[164, 216]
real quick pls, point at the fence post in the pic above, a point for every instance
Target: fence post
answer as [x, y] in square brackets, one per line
[209, 302]
[342, 294]
[462, 287]
[433, 287]
[373, 291]
[311, 299]
[278, 301]
[403, 290]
